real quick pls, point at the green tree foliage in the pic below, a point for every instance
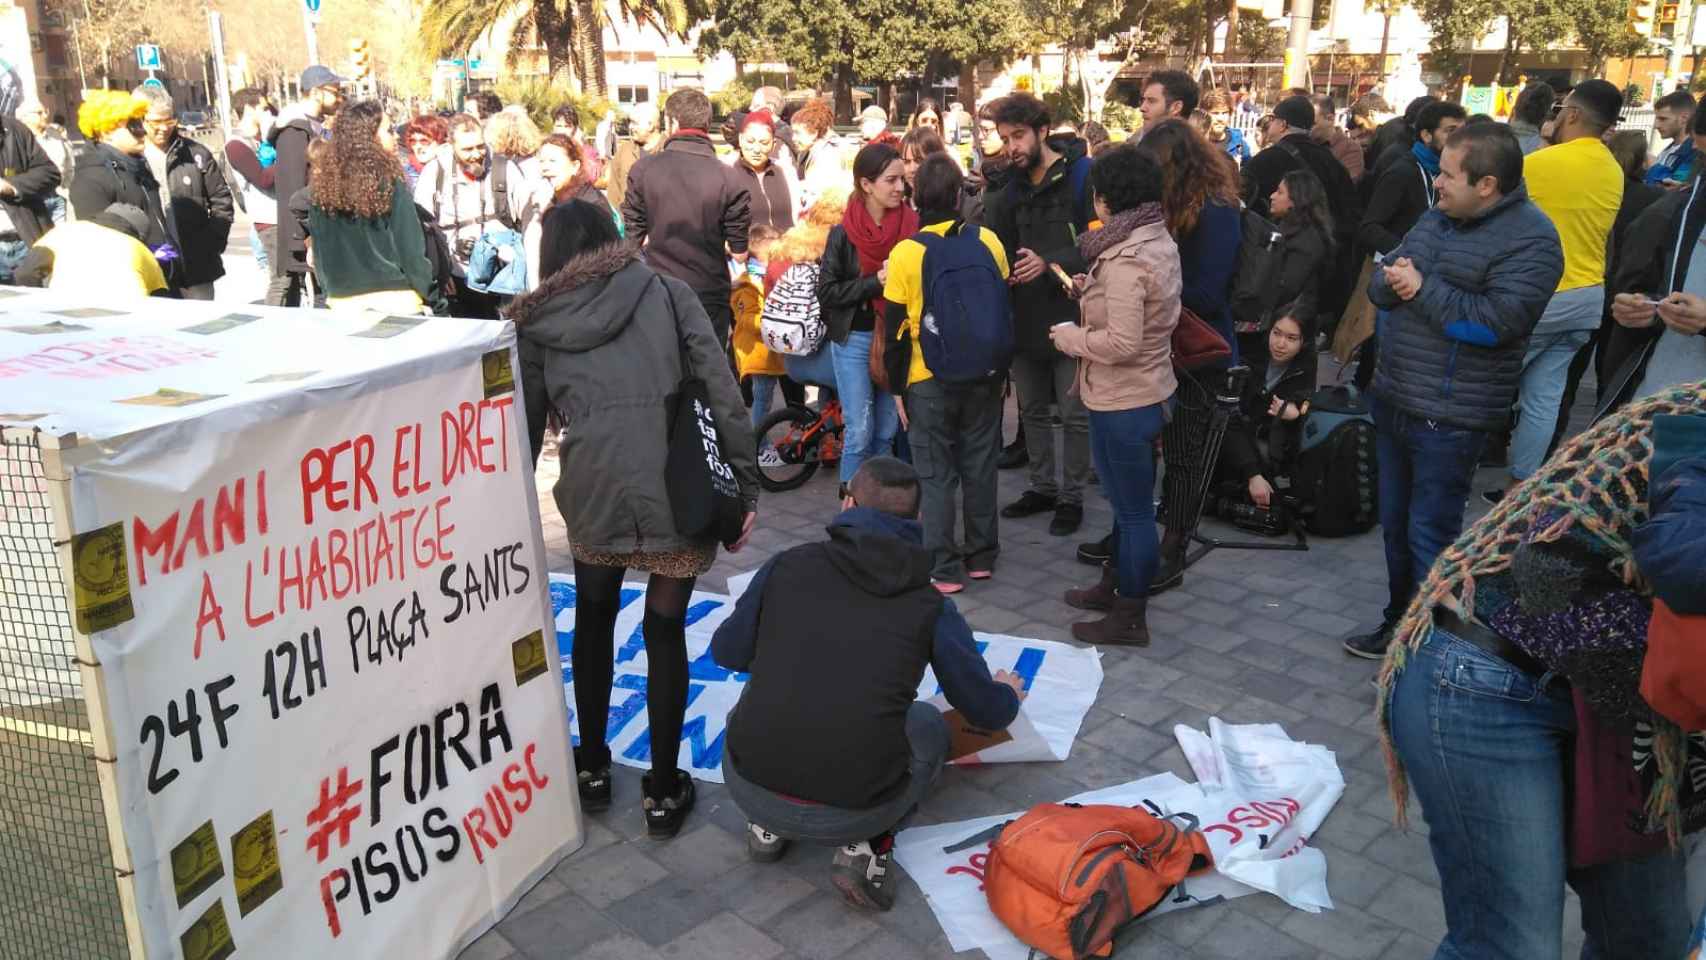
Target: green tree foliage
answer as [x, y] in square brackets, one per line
[1598, 26]
[569, 30]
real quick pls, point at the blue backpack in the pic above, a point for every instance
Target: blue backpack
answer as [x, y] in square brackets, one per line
[966, 331]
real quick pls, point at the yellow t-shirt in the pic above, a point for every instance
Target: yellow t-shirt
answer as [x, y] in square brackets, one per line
[1579, 186]
[906, 285]
[85, 252]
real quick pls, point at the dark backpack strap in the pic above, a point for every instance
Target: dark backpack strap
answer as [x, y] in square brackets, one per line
[500, 192]
[437, 191]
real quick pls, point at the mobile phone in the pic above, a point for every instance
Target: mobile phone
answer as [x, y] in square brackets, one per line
[1061, 275]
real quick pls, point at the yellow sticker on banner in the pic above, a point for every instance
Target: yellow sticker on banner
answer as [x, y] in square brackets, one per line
[496, 372]
[196, 864]
[254, 863]
[209, 938]
[101, 581]
[529, 656]
[168, 397]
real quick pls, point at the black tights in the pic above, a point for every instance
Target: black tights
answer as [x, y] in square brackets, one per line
[598, 599]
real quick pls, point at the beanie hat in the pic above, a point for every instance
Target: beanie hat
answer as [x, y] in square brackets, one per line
[1297, 112]
[104, 111]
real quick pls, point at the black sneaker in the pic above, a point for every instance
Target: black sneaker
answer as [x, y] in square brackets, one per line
[1493, 497]
[764, 846]
[1371, 646]
[594, 785]
[1013, 456]
[1096, 552]
[664, 817]
[1029, 504]
[864, 875]
[1068, 517]
[1170, 573]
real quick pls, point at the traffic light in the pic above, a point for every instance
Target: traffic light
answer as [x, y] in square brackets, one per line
[361, 62]
[1641, 17]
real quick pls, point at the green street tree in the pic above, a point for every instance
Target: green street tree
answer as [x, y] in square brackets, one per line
[571, 31]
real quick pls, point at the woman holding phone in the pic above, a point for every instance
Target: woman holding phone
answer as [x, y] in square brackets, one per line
[1129, 304]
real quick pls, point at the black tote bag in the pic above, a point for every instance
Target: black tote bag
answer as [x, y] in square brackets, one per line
[703, 494]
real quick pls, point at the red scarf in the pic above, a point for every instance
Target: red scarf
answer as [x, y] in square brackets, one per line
[874, 240]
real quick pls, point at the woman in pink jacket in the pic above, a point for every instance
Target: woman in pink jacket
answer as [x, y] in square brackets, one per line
[1129, 304]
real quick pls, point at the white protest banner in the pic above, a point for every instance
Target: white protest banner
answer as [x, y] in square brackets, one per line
[1257, 838]
[306, 547]
[1061, 683]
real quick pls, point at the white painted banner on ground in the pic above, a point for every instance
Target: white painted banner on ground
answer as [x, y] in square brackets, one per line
[1061, 683]
[1259, 797]
[313, 573]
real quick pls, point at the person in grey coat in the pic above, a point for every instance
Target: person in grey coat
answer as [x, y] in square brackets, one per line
[602, 343]
[1463, 292]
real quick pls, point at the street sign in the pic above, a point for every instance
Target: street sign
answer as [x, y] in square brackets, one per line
[154, 82]
[313, 5]
[148, 57]
[474, 64]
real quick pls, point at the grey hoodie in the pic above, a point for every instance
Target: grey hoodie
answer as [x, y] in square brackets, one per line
[601, 342]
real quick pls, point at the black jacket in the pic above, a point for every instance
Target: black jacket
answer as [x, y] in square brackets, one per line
[290, 174]
[685, 205]
[823, 717]
[32, 173]
[843, 295]
[1242, 454]
[1262, 175]
[105, 177]
[1308, 252]
[771, 203]
[1400, 196]
[201, 212]
[1648, 263]
[1046, 218]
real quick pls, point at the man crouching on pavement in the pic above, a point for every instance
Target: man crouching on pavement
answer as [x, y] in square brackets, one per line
[827, 744]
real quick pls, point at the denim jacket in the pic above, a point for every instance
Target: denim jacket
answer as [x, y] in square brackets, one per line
[490, 271]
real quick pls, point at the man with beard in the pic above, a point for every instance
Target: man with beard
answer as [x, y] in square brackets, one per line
[1039, 215]
[471, 192]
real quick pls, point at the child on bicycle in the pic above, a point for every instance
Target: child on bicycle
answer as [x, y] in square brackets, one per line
[753, 361]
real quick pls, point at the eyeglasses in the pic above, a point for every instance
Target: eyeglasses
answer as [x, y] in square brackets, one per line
[165, 124]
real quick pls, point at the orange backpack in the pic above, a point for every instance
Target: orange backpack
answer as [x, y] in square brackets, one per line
[1065, 878]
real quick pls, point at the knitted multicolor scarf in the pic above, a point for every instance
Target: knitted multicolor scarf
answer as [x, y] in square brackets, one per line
[1594, 491]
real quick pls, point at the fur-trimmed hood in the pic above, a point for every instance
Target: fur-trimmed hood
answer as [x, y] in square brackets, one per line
[587, 302]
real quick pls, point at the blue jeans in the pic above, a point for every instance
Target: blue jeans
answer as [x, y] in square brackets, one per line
[1544, 369]
[56, 208]
[258, 246]
[763, 389]
[1426, 470]
[1488, 748]
[1123, 445]
[928, 740]
[12, 253]
[870, 414]
[816, 370]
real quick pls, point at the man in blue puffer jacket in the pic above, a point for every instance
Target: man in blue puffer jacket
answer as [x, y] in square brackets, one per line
[1464, 291]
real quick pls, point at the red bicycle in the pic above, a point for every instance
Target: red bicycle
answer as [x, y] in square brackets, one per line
[794, 441]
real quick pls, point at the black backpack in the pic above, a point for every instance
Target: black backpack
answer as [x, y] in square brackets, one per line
[1259, 254]
[1337, 478]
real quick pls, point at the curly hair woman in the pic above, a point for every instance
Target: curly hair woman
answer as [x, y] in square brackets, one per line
[368, 248]
[1199, 199]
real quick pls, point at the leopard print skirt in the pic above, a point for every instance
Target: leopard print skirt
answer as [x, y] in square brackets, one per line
[681, 564]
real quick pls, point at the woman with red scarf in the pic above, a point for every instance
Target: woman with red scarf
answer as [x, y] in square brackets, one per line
[850, 293]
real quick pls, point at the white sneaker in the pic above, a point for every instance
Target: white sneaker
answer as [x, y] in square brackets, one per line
[770, 458]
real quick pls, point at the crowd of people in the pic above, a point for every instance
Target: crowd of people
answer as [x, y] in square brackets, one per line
[1471, 270]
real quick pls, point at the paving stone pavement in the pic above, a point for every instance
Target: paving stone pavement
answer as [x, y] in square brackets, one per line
[1251, 636]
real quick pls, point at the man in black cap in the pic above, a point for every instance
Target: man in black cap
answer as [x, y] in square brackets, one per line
[1578, 184]
[298, 126]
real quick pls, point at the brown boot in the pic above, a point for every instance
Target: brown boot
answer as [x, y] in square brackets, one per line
[1098, 597]
[1124, 625]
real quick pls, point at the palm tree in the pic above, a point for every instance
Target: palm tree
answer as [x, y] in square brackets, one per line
[570, 30]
